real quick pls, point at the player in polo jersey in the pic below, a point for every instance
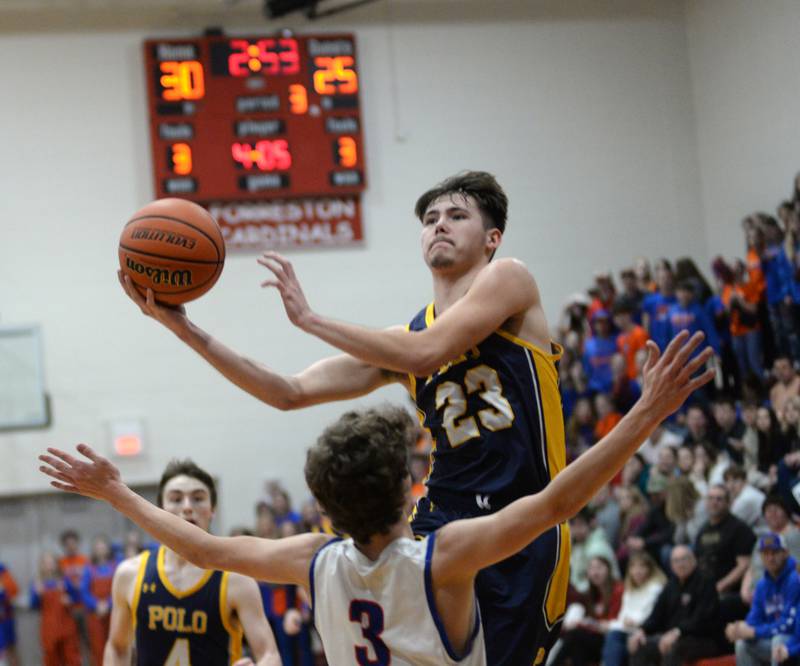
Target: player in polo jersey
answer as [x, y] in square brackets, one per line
[176, 613]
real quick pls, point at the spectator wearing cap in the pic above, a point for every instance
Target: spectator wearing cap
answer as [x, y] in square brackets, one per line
[632, 337]
[746, 500]
[684, 623]
[777, 519]
[597, 353]
[773, 612]
[688, 315]
[723, 548]
[655, 533]
[655, 306]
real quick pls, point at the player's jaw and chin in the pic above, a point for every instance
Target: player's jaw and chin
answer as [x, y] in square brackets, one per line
[460, 242]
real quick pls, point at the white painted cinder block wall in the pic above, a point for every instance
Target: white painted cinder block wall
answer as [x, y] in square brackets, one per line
[746, 90]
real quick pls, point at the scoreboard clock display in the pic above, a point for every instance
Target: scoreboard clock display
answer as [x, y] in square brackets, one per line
[238, 119]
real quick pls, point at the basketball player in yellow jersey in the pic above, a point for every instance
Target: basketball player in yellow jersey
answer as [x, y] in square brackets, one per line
[179, 614]
[480, 365]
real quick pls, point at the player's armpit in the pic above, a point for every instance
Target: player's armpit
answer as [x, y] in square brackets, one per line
[244, 598]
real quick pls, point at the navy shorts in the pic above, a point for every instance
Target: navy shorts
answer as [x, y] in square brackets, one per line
[522, 598]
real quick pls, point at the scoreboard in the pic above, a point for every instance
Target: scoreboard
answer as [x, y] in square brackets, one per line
[252, 118]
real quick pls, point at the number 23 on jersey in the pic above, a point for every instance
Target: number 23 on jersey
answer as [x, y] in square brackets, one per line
[452, 396]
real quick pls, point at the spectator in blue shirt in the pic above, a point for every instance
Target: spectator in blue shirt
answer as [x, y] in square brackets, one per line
[598, 351]
[772, 615]
[688, 314]
[656, 306]
[781, 296]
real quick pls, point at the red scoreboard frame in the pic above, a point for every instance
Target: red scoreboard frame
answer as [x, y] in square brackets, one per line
[256, 119]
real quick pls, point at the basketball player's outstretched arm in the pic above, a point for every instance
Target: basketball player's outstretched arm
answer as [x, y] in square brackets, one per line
[466, 546]
[275, 560]
[338, 378]
[502, 290]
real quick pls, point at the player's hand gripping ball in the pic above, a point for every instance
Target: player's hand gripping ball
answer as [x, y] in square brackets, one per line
[173, 247]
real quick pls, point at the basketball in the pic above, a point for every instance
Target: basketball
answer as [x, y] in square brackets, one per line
[173, 247]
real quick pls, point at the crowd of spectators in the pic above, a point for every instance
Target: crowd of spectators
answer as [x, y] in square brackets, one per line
[692, 551]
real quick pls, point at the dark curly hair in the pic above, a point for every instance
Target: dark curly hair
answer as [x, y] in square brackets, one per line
[186, 467]
[358, 470]
[481, 186]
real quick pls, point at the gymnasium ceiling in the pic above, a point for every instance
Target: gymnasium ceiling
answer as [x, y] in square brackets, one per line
[20, 16]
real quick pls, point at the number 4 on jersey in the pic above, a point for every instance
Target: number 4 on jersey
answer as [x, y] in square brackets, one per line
[179, 654]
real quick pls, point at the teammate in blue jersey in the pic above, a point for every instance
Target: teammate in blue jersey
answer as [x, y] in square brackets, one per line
[177, 613]
[482, 368]
[381, 597]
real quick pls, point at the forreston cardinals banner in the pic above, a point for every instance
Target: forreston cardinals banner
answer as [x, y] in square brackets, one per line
[254, 225]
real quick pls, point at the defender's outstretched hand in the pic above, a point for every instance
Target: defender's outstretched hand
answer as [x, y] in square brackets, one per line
[286, 282]
[171, 316]
[669, 378]
[94, 476]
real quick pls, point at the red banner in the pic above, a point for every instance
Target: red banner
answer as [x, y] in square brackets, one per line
[260, 225]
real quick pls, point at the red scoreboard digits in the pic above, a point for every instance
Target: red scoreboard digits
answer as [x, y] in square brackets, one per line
[255, 118]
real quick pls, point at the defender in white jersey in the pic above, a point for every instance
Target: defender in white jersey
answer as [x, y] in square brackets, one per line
[379, 596]
[383, 599]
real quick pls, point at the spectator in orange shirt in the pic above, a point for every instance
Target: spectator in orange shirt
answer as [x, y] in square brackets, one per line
[8, 634]
[59, 631]
[756, 244]
[607, 415]
[740, 298]
[73, 562]
[632, 337]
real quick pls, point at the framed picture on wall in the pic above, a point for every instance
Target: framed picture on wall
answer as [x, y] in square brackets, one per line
[23, 399]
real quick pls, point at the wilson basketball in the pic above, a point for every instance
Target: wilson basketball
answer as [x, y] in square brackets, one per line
[175, 248]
